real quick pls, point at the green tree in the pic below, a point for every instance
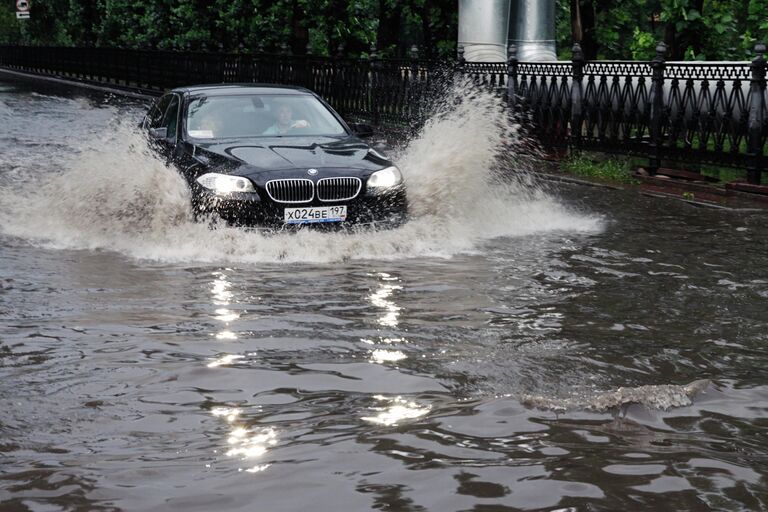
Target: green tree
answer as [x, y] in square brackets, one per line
[10, 27]
[692, 29]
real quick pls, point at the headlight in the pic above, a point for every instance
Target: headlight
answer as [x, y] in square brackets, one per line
[385, 178]
[225, 184]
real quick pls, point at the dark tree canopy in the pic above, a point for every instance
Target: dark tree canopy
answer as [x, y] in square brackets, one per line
[324, 27]
[607, 29]
[692, 29]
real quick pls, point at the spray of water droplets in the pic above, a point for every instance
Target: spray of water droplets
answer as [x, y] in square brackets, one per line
[108, 191]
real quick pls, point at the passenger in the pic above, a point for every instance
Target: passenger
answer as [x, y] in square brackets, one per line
[206, 126]
[285, 122]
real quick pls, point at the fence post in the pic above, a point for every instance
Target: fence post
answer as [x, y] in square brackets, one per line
[460, 60]
[512, 77]
[657, 108]
[412, 89]
[756, 102]
[309, 77]
[375, 80]
[577, 95]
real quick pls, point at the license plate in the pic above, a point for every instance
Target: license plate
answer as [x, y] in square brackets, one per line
[313, 214]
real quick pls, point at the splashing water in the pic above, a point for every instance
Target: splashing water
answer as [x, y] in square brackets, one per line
[113, 193]
[660, 396]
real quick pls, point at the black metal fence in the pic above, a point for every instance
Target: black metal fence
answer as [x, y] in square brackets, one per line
[693, 112]
[703, 113]
[383, 91]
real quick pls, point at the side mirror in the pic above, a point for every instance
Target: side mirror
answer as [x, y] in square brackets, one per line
[158, 133]
[362, 130]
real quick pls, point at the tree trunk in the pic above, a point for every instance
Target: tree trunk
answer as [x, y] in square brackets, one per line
[589, 44]
[670, 38]
[695, 31]
[576, 32]
[335, 14]
[426, 29]
[299, 31]
[388, 32]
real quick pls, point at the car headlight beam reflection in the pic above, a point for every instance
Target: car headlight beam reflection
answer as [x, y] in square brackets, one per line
[225, 184]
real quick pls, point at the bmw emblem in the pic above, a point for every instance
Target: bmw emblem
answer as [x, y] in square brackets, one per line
[311, 172]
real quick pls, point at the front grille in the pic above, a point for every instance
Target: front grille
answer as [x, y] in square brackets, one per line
[338, 189]
[291, 190]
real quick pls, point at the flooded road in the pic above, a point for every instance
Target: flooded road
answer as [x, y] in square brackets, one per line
[512, 347]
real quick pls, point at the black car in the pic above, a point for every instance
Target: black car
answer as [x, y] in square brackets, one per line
[269, 155]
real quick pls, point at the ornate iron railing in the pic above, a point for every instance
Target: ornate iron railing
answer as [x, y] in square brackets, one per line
[695, 113]
[706, 113]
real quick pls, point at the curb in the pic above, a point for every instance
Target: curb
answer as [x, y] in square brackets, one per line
[130, 92]
[669, 189]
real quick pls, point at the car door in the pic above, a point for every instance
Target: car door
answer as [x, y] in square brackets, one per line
[155, 115]
[163, 124]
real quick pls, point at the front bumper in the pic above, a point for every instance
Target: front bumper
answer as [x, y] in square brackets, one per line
[384, 210]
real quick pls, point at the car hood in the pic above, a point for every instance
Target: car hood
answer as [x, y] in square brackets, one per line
[286, 153]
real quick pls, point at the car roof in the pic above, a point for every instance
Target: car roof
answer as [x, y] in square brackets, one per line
[234, 89]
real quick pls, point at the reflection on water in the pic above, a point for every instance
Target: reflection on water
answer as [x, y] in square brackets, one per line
[228, 413]
[226, 335]
[226, 315]
[246, 444]
[387, 356]
[382, 298]
[225, 360]
[395, 410]
[223, 296]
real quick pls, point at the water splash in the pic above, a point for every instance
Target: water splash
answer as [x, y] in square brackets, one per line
[664, 397]
[112, 193]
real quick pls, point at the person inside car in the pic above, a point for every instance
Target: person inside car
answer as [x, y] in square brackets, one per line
[207, 125]
[285, 122]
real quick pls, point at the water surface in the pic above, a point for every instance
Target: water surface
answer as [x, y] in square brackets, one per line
[150, 363]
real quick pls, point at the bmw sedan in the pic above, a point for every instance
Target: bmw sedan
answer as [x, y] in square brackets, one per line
[266, 155]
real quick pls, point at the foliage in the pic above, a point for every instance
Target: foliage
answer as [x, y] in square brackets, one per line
[10, 28]
[692, 29]
[724, 174]
[563, 29]
[642, 45]
[616, 29]
[322, 26]
[589, 166]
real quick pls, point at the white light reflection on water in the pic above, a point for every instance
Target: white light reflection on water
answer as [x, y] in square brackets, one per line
[226, 315]
[381, 299]
[386, 340]
[387, 356]
[396, 410]
[228, 413]
[223, 296]
[225, 360]
[246, 443]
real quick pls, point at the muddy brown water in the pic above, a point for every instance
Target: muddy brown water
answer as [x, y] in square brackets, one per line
[150, 363]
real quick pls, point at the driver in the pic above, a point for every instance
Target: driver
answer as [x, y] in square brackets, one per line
[285, 122]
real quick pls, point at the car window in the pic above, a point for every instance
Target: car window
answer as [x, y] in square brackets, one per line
[156, 113]
[171, 117]
[262, 115]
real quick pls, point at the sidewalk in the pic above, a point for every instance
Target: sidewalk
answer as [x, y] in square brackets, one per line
[689, 187]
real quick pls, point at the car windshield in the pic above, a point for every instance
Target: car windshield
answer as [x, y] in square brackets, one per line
[259, 115]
